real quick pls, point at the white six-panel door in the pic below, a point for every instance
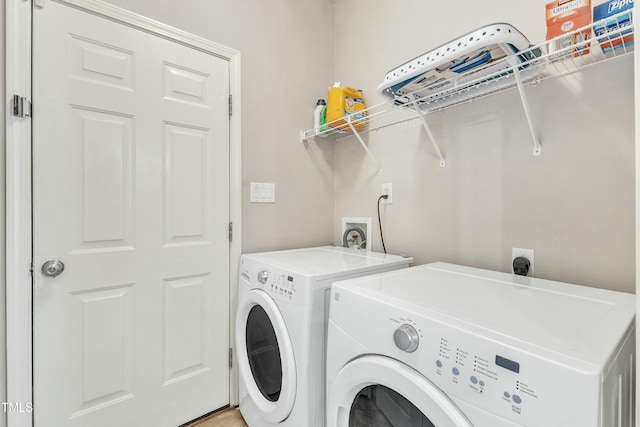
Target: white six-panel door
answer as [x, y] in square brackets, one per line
[131, 193]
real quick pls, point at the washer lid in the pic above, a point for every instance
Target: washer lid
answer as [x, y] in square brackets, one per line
[581, 322]
[329, 261]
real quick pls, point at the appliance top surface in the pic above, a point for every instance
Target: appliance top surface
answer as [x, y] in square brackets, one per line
[562, 317]
[328, 260]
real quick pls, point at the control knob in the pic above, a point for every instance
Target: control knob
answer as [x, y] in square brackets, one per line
[263, 276]
[406, 338]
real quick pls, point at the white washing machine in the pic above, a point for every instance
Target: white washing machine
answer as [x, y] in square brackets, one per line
[441, 345]
[281, 329]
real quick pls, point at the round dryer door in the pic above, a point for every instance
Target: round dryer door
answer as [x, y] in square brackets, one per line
[265, 356]
[377, 390]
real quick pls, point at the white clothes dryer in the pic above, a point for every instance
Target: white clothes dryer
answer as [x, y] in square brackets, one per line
[442, 345]
[281, 329]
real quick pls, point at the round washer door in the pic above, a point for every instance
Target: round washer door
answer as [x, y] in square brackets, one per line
[266, 363]
[375, 379]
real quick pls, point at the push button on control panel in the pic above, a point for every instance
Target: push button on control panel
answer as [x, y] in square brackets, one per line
[455, 371]
[516, 399]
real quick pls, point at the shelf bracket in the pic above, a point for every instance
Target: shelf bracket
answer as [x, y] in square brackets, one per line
[426, 127]
[537, 148]
[359, 138]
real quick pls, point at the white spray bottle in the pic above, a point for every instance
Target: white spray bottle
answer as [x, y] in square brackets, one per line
[317, 114]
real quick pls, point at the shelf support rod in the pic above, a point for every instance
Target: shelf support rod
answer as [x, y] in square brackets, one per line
[537, 148]
[426, 127]
[369, 153]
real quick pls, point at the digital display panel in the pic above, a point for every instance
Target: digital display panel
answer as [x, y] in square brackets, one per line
[508, 364]
[289, 278]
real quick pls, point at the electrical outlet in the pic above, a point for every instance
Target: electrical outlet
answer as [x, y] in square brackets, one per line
[388, 190]
[528, 254]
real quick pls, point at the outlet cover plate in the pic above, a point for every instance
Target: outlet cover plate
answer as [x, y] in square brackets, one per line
[528, 254]
[388, 190]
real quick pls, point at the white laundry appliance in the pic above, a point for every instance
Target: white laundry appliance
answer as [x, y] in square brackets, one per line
[281, 329]
[442, 345]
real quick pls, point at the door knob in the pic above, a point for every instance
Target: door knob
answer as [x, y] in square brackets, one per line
[52, 268]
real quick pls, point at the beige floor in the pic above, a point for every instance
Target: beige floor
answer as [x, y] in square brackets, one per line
[227, 418]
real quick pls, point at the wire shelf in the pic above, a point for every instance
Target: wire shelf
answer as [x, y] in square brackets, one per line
[546, 60]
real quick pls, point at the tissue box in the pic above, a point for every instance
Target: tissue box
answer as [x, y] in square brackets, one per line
[610, 29]
[566, 16]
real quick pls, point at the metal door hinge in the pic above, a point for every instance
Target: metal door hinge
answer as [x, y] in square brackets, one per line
[230, 231]
[21, 106]
[230, 105]
[230, 357]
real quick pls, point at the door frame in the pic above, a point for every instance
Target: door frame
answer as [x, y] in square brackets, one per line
[18, 173]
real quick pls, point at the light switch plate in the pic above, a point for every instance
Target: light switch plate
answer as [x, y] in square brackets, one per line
[263, 192]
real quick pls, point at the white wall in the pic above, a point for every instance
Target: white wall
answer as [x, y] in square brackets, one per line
[574, 204]
[287, 63]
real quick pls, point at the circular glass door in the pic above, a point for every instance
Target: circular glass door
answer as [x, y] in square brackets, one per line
[263, 353]
[380, 406]
[380, 391]
[266, 365]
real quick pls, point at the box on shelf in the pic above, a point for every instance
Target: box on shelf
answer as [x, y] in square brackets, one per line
[564, 17]
[610, 28]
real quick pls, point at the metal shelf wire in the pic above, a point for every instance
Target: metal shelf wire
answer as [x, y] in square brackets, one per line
[547, 61]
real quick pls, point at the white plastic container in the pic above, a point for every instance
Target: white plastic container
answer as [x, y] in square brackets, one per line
[317, 114]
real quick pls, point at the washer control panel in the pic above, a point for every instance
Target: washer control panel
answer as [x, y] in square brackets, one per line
[283, 285]
[279, 284]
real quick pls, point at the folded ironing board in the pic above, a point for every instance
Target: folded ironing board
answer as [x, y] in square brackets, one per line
[481, 61]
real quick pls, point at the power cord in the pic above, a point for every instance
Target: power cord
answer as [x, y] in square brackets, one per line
[384, 196]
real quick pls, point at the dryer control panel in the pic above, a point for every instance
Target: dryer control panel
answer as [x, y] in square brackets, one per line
[485, 373]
